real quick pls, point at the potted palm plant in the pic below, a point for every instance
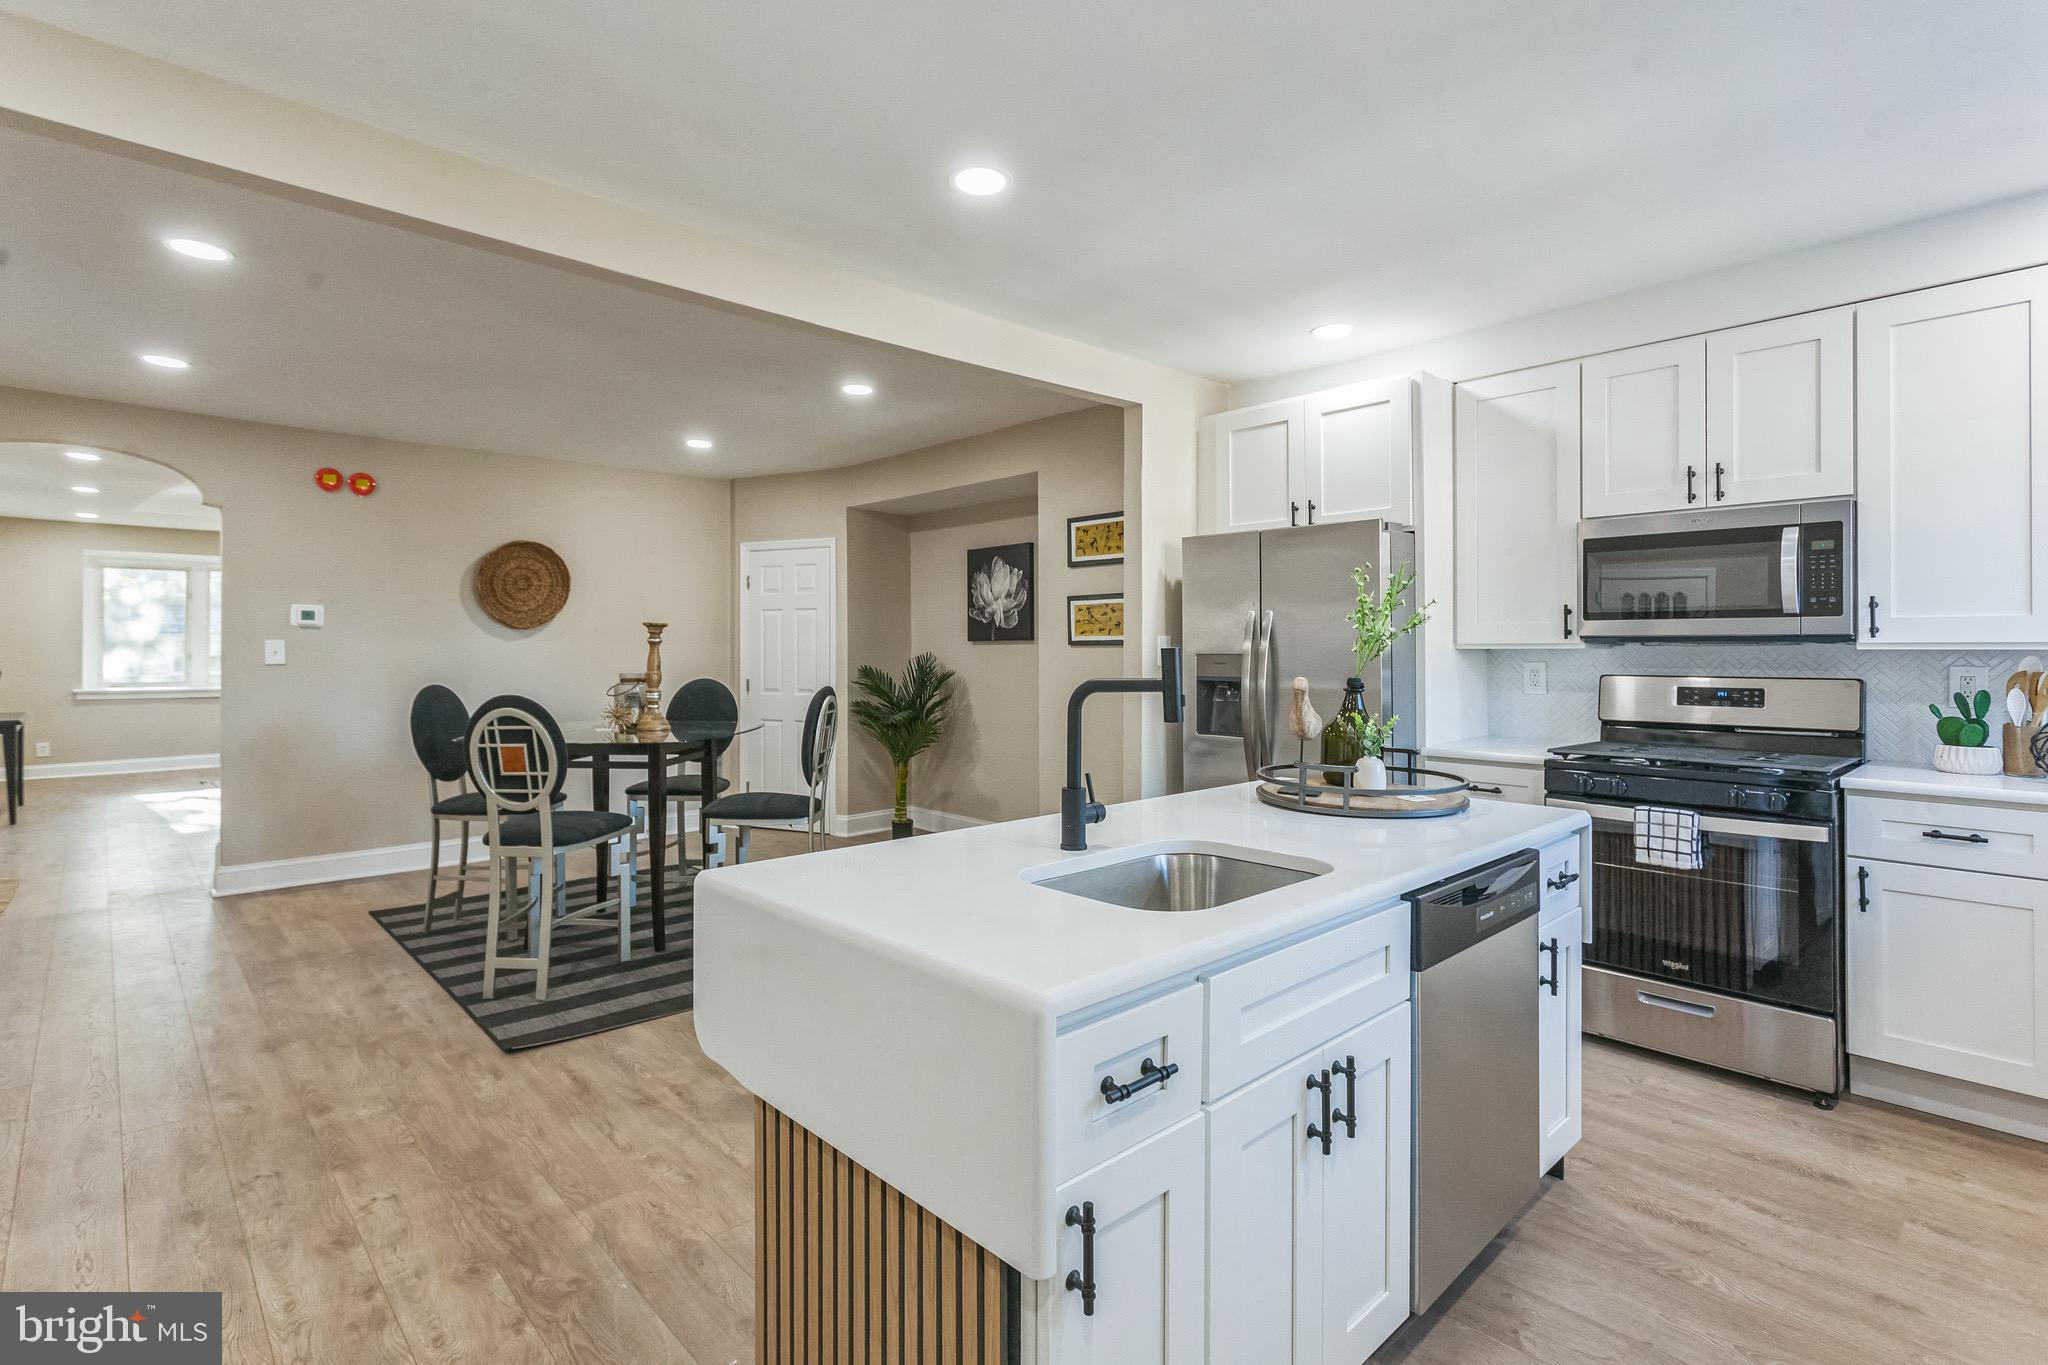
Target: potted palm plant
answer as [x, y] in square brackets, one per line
[906, 716]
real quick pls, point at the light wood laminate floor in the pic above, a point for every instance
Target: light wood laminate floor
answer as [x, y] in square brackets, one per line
[266, 1097]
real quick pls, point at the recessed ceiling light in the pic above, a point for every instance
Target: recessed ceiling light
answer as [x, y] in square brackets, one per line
[85, 455]
[698, 443]
[1331, 331]
[198, 250]
[980, 180]
[167, 362]
[83, 488]
[856, 390]
[86, 516]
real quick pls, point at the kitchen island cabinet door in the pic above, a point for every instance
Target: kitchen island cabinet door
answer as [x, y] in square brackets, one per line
[1560, 1036]
[1948, 973]
[1148, 1206]
[1516, 506]
[1952, 464]
[1365, 1221]
[1266, 1222]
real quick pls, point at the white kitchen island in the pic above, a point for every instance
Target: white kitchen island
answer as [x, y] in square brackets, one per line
[929, 1032]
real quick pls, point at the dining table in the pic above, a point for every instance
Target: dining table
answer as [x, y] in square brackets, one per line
[700, 741]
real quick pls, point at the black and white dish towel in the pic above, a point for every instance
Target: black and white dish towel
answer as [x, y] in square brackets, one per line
[1668, 838]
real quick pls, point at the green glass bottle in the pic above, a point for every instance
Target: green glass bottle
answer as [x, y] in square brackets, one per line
[1340, 737]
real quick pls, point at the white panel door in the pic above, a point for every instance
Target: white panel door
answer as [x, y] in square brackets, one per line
[1560, 1036]
[1781, 409]
[786, 605]
[1646, 428]
[1266, 1222]
[1251, 468]
[1948, 973]
[1517, 508]
[1366, 1197]
[1149, 1244]
[1359, 453]
[1952, 463]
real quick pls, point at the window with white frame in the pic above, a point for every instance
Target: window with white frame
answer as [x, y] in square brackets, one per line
[152, 623]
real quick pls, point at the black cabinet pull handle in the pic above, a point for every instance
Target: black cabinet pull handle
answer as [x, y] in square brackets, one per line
[1480, 787]
[1348, 1115]
[1690, 475]
[1953, 838]
[1551, 980]
[1149, 1073]
[1293, 513]
[1321, 1133]
[1873, 618]
[1719, 492]
[1561, 880]
[1082, 1216]
[1311, 511]
[1567, 620]
[1862, 889]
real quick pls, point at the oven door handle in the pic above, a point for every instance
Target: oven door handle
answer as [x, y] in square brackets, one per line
[1607, 813]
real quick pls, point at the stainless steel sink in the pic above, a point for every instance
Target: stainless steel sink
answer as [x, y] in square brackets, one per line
[1176, 881]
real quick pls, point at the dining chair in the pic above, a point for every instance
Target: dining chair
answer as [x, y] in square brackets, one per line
[700, 700]
[805, 810]
[517, 759]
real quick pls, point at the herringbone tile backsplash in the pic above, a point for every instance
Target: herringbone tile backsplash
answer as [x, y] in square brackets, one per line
[1897, 685]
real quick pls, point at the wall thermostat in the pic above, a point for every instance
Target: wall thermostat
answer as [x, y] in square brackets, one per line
[309, 618]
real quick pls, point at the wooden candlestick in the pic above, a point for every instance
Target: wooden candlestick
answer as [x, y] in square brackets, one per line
[653, 724]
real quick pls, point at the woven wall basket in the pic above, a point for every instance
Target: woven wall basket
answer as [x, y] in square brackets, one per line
[522, 584]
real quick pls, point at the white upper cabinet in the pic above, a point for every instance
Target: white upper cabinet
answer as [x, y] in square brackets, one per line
[1517, 507]
[1645, 428]
[1952, 463]
[1251, 467]
[1359, 453]
[1781, 410]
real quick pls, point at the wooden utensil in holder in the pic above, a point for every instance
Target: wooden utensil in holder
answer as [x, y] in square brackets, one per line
[2026, 750]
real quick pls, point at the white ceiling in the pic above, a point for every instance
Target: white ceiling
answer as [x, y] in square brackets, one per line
[334, 322]
[1195, 181]
[41, 480]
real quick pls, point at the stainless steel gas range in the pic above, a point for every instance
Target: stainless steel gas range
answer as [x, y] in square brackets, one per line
[1729, 951]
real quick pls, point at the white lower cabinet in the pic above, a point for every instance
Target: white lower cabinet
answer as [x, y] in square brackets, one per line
[1145, 1249]
[1308, 1250]
[1560, 1039]
[1948, 973]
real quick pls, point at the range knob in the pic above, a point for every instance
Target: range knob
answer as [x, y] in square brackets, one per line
[1759, 798]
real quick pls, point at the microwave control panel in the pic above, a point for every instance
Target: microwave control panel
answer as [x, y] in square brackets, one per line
[1822, 591]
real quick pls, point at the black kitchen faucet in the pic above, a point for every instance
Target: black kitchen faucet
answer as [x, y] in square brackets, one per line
[1078, 806]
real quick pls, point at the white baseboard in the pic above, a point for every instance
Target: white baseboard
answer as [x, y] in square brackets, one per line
[1964, 1101]
[113, 767]
[241, 879]
[877, 821]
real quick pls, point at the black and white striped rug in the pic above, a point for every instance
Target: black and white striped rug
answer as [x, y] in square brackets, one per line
[589, 989]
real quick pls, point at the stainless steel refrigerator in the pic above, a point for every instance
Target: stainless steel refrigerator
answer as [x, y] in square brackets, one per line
[1261, 608]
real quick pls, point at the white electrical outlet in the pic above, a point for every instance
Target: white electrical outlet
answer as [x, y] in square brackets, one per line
[1968, 679]
[1535, 678]
[273, 652]
[42, 748]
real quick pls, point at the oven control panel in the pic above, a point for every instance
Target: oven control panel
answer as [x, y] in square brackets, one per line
[1747, 697]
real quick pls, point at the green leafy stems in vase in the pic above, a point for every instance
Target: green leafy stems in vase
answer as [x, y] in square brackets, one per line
[1356, 734]
[906, 716]
[1970, 728]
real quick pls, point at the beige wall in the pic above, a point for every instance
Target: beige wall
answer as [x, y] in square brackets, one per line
[316, 756]
[1078, 460]
[987, 768]
[875, 592]
[41, 647]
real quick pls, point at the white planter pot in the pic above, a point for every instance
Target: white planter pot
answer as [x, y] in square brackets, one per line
[1978, 762]
[1372, 774]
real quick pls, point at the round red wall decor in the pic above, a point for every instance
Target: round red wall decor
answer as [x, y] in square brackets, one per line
[329, 480]
[362, 485]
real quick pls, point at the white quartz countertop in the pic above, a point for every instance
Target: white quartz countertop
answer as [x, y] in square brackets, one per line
[965, 903]
[1894, 779]
[1498, 749]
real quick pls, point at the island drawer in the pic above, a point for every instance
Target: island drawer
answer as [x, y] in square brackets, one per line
[1271, 1009]
[1107, 1097]
[1999, 839]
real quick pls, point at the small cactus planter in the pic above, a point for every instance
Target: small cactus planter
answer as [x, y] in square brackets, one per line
[1964, 737]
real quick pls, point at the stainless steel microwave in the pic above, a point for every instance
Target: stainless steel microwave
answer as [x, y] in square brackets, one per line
[1781, 572]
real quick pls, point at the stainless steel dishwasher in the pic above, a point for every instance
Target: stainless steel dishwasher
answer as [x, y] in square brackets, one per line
[1476, 1117]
